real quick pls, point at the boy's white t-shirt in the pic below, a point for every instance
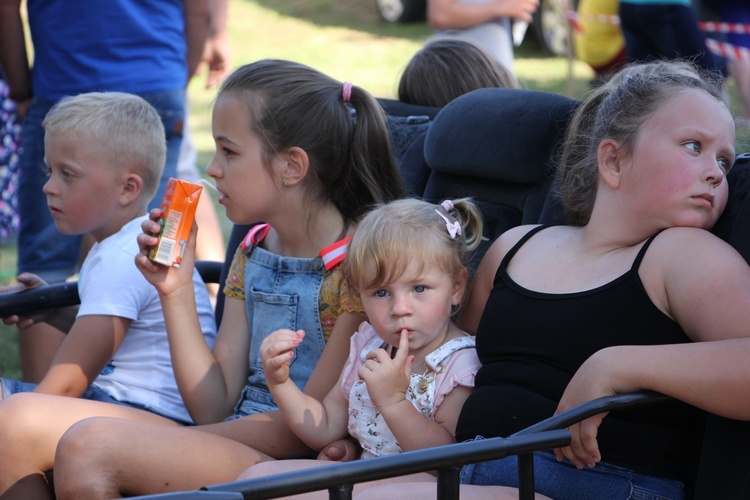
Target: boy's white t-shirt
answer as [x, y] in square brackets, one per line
[141, 370]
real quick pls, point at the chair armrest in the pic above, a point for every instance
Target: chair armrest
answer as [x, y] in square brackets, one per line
[55, 296]
[591, 408]
[209, 270]
[27, 302]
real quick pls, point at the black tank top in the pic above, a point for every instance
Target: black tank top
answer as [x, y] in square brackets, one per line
[531, 343]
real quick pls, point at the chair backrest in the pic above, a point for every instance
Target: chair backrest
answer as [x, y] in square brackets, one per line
[498, 146]
[406, 123]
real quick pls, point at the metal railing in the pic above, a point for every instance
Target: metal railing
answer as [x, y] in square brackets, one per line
[340, 478]
[57, 295]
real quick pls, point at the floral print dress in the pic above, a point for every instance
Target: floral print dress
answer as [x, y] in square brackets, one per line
[452, 364]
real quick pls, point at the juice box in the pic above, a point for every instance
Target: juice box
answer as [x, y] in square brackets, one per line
[178, 213]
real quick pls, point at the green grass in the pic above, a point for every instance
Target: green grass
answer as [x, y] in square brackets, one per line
[346, 40]
[8, 345]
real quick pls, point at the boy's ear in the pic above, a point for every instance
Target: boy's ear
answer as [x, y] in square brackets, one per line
[296, 166]
[131, 188]
[610, 156]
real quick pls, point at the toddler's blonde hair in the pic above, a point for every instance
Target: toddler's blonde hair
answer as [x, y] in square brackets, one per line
[392, 236]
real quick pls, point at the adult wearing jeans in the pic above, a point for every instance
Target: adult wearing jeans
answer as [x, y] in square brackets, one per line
[664, 29]
[143, 47]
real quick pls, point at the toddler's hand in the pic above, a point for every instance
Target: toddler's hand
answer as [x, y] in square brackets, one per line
[342, 450]
[388, 379]
[276, 353]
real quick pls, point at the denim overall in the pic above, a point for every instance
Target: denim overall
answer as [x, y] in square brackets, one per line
[280, 292]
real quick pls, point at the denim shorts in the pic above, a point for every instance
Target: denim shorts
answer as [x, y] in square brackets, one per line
[93, 393]
[562, 480]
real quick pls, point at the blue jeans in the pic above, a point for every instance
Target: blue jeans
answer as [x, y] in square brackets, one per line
[41, 248]
[665, 31]
[93, 393]
[561, 480]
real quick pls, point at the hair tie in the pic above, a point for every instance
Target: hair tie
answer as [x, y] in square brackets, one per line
[447, 205]
[346, 93]
[454, 228]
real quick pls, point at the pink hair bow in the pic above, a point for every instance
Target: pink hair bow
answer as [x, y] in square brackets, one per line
[454, 228]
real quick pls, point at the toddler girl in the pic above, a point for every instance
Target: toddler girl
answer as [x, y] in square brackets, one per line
[410, 368]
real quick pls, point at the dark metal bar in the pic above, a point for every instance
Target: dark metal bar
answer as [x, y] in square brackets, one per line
[591, 408]
[58, 295]
[526, 476]
[341, 492]
[27, 302]
[568, 418]
[322, 478]
[448, 483]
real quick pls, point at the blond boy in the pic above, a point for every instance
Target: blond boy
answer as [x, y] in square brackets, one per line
[105, 154]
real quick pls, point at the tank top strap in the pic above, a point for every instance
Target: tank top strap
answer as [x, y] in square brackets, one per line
[642, 252]
[509, 255]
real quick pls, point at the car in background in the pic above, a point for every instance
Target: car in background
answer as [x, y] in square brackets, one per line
[550, 24]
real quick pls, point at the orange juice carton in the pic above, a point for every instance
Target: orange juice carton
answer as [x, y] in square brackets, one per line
[178, 213]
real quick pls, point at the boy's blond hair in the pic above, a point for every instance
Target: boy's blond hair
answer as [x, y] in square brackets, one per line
[126, 126]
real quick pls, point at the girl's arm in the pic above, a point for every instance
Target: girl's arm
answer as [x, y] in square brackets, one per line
[209, 381]
[713, 376]
[704, 284]
[314, 422]
[86, 350]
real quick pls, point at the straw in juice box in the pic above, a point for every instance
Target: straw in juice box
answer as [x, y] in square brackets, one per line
[178, 213]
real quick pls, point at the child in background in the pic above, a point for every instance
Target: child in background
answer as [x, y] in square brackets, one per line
[448, 67]
[444, 69]
[410, 368]
[104, 154]
[309, 156]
